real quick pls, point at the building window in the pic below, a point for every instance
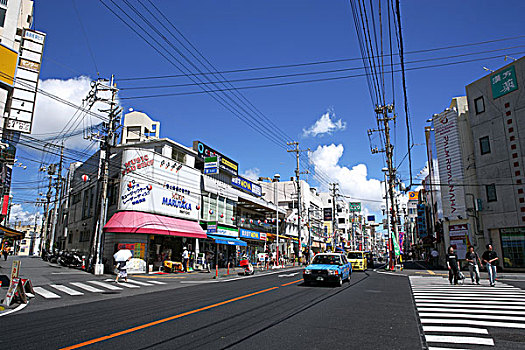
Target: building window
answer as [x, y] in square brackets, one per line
[2, 17]
[484, 145]
[178, 156]
[491, 193]
[479, 104]
[341, 220]
[84, 236]
[329, 201]
[70, 238]
[75, 198]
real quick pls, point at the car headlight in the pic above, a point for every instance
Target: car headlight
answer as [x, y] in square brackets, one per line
[333, 272]
[307, 272]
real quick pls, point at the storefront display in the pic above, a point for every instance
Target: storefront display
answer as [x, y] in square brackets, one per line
[513, 247]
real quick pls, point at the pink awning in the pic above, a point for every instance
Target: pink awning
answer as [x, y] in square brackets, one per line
[138, 222]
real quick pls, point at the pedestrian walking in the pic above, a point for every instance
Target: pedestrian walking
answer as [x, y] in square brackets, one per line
[5, 251]
[435, 257]
[185, 259]
[122, 270]
[489, 259]
[453, 265]
[473, 266]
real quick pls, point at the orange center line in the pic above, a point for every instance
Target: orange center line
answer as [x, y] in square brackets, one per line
[287, 284]
[154, 323]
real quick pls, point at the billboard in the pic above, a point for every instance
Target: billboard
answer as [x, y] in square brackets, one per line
[26, 84]
[8, 60]
[504, 82]
[413, 196]
[225, 163]
[458, 239]
[155, 184]
[450, 164]
[247, 185]
[211, 165]
[327, 214]
[354, 206]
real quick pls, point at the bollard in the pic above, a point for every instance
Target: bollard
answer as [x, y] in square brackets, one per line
[216, 271]
[228, 270]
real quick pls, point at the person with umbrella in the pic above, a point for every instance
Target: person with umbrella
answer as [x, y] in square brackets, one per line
[122, 257]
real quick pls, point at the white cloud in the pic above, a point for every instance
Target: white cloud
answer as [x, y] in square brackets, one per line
[252, 174]
[19, 214]
[325, 125]
[353, 182]
[52, 116]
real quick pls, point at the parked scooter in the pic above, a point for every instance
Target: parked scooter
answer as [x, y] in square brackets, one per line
[248, 267]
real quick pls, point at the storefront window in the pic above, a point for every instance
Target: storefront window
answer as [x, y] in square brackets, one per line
[222, 206]
[513, 246]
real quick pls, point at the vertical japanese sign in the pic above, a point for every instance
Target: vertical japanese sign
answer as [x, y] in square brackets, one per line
[26, 83]
[504, 82]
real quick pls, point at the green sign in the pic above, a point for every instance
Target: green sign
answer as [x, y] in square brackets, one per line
[354, 206]
[396, 245]
[504, 82]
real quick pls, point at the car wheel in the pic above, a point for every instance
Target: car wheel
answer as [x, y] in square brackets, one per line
[340, 282]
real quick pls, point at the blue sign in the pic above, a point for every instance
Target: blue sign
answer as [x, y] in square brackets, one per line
[371, 218]
[211, 171]
[247, 185]
[249, 234]
[211, 229]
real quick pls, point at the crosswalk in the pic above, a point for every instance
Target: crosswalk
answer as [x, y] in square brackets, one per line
[77, 289]
[460, 317]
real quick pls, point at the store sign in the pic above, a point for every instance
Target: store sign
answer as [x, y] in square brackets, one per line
[211, 165]
[26, 83]
[262, 236]
[327, 214]
[413, 196]
[247, 185]
[458, 238]
[212, 228]
[504, 82]
[8, 59]
[421, 221]
[243, 233]
[225, 163]
[155, 184]
[450, 164]
[227, 231]
[371, 218]
[354, 206]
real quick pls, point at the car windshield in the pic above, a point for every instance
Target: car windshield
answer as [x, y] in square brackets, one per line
[355, 255]
[327, 259]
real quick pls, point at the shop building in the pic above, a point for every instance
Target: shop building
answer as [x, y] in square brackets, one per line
[497, 125]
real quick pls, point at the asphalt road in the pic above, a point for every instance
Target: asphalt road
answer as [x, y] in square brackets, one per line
[373, 311]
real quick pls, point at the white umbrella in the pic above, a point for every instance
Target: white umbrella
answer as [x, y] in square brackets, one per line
[122, 255]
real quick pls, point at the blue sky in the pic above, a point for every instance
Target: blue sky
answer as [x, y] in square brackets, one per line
[244, 34]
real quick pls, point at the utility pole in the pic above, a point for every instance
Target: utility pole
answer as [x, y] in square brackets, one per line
[57, 194]
[44, 230]
[106, 142]
[333, 191]
[297, 152]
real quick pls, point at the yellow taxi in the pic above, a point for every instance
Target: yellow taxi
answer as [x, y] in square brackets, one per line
[358, 260]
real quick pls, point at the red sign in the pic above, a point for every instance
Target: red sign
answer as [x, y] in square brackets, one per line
[5, 204]
[137, 163]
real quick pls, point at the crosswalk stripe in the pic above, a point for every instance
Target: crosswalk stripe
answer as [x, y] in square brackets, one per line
[66, 289]
[45, 293]
[459, 340]
[156, 282]
[87, 287]
[128, 285]
[470, 292]
[427, 303]
[471, 322]
[455, 329]
[492, 317]
[469, 311]
[440, 348]
[140, 283]
[472, 296]
[472, 299]
[105, 285]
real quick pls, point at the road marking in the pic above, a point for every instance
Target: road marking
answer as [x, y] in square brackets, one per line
[45, 293]
[440, 348]
[483, 317]
[87, 287]
[469, 311]
[471, 322]
[66, 289]
[459, 340]
[105, 285]
[154, 323]
[157, 282]
[287, 284]
[18, 308]
[140, 283]
[290, 275]
[128, 285]
[485, 300]
[475, 306]
[430, 272]
[455, 329]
